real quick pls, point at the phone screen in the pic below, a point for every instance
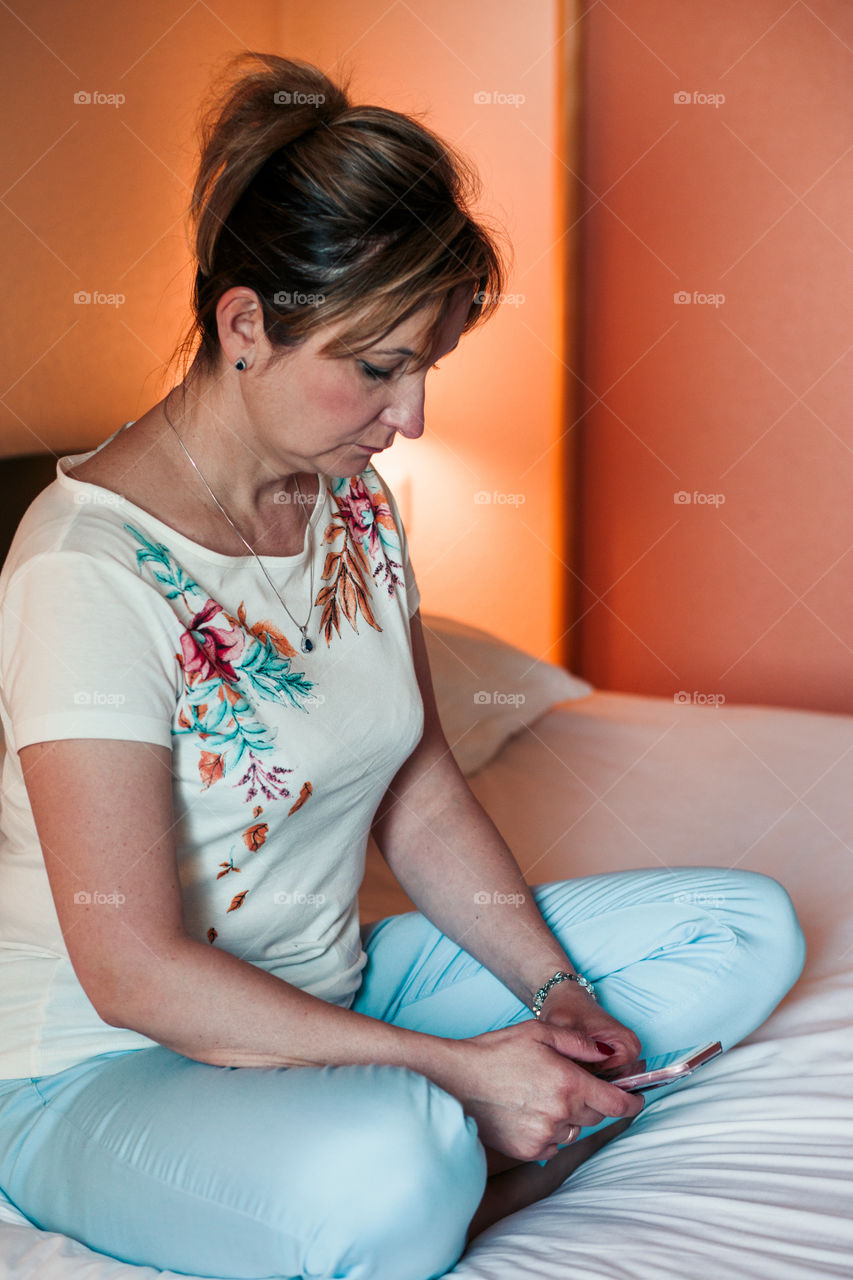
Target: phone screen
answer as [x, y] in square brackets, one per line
[652, 1073]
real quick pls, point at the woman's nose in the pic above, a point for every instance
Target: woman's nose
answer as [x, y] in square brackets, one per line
[405, 413]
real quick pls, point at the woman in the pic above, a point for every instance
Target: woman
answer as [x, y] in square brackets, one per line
[214, 687]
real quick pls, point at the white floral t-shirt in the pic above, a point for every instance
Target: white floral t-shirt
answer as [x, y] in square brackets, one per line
[113, 625]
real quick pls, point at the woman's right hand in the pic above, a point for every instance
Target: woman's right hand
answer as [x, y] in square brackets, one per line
[525, 1086]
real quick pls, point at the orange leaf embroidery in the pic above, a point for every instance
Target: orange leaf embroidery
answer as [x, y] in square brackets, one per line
[237, 900]
[364, 601]
[355, 551]
[331, 564]
[212, 935]
[262, 629]
[255, 836]
[305, 791]
[229, 866]
[330, 619]
[257, 811]
[349, 600]
[279, 639]
[210, 768]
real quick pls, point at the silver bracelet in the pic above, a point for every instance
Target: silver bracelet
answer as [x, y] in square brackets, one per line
[559, 976]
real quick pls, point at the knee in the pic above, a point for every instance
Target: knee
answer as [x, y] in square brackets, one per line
[771, 948]
[420, 1175]
[775, 931]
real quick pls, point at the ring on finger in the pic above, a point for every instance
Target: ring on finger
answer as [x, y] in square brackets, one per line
[571, 1136]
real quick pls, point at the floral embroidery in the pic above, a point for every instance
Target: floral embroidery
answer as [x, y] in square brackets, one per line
[305, 791]
[364, 519]
[270, 782]
[210, 651]
[253, 838]
[223, 659]
[228, 664]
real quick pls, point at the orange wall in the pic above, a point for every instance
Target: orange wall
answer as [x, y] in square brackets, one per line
[748, 597]
[96, 200]
[494, 409]
[93, 196]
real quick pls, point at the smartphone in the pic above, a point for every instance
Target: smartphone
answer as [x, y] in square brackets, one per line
[651, 1073]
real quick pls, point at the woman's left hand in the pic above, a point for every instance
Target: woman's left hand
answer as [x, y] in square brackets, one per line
[568, 1005]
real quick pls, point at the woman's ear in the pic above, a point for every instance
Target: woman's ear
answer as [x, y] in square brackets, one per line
[240, 324]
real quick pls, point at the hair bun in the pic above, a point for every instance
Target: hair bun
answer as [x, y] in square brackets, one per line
[271, 102]
[331, 213]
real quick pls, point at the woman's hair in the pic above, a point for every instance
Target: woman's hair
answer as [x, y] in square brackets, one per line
[330, 211]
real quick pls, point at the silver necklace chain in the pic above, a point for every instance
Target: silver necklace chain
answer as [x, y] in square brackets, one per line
[306, 644]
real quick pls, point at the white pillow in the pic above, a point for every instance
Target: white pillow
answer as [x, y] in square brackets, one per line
[487, 690]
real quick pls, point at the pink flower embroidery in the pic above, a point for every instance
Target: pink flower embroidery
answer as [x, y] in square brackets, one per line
[210, 651]
[357, 508]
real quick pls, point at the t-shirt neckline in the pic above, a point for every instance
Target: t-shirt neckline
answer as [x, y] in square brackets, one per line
[198, 548]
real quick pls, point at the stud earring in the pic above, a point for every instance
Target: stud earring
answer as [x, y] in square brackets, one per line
[240, 364]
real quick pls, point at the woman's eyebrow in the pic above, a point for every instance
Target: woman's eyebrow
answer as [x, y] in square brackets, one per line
[404, 351]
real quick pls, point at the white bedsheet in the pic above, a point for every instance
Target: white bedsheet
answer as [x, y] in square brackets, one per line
[747, 1171]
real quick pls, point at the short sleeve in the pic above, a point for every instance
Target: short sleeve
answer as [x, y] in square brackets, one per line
[413, 595]
[87, 650]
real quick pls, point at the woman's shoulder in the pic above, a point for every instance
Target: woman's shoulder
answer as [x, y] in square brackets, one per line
[122, 461]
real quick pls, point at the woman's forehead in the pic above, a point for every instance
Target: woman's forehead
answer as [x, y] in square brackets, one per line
[424, 330]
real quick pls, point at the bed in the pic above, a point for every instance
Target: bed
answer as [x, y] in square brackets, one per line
[747, 1170]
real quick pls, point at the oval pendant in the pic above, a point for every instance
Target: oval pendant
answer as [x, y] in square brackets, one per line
[307, 645]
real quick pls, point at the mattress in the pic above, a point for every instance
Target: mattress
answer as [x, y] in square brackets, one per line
[747, 1170]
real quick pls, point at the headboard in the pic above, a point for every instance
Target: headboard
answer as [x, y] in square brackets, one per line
[22, 479]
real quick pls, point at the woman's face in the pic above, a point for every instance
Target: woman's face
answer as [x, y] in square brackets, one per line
[314, 413]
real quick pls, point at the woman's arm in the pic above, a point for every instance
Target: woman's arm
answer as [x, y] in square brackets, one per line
[104, 816]
[455, 866]
[103, 812]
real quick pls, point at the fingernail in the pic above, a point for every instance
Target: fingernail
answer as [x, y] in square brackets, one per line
[604, 1048]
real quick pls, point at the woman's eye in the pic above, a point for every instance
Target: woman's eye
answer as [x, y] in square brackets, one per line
[380, 375]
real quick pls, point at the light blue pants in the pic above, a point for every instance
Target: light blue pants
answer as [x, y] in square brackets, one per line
[372, 1172]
